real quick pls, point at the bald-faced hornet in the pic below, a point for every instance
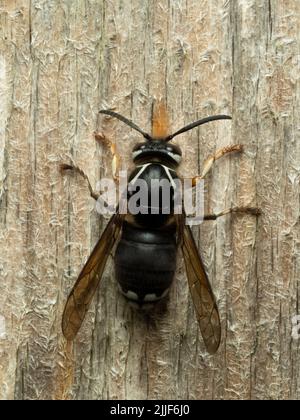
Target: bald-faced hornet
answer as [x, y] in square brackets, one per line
[147, 244]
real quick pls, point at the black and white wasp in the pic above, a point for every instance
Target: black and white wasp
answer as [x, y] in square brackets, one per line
[147, 244]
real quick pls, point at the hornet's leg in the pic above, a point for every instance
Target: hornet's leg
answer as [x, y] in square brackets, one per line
[115, 164]
[67, 167]
[212, 159]
[246, 210]
[116, 159]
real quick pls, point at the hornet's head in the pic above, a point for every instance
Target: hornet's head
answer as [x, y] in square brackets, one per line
[157, 147]
[157, 150]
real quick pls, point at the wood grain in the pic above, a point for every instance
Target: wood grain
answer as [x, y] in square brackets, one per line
[62, 61]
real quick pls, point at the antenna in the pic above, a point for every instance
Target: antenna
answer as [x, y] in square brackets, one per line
[170, 137]
[197, 123]
[128, 122]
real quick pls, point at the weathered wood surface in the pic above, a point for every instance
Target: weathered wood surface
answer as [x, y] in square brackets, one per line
[62, 61]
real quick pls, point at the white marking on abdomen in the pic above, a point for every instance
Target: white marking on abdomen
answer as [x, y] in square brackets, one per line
[154, 298]
[151, 298]
[131, 295]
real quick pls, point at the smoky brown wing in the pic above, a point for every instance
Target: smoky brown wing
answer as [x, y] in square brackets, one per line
[88, 280]
[203, 298]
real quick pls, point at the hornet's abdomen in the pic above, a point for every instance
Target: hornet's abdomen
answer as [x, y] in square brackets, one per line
[145, 263]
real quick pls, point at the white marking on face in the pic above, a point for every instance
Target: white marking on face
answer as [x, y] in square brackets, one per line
[136, 154]
[175, 156]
